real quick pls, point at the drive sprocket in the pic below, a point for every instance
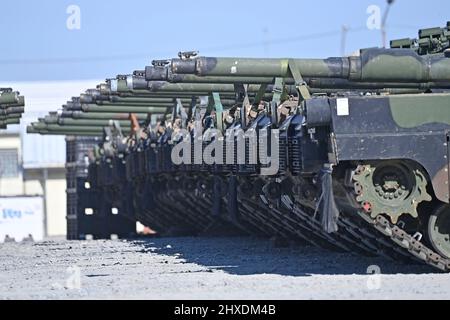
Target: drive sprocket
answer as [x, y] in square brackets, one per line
[392, 188]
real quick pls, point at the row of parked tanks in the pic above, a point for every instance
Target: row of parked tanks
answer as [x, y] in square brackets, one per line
[346, 153]
[12, 106]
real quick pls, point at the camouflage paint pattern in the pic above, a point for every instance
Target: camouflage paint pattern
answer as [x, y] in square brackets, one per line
[414, 127]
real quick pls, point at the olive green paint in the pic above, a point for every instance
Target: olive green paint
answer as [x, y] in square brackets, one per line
[410, 111]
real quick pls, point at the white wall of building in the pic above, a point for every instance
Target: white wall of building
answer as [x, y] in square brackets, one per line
[11, 186]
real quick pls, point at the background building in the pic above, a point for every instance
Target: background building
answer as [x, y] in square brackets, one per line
[33, 165]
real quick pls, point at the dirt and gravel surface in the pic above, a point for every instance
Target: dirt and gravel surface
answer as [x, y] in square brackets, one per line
[204, 268]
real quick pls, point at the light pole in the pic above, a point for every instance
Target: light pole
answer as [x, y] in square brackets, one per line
[383, 22]
[344, 32]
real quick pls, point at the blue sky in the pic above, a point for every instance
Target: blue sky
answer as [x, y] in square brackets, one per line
[120, 36]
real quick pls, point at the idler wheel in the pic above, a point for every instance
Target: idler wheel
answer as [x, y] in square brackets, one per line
[439, 230]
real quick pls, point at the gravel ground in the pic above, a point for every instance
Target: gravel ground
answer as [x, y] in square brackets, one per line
[204, 268]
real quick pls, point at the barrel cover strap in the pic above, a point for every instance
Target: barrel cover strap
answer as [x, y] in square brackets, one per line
[192, 108]
[182, 112]
[174, 110]
[203, 108]
[300, 83]
[219, 110]
[246, 107]
[260, 94]
[278, 90]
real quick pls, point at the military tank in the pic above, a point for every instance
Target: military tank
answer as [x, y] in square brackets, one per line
[347, 153]
[11, 107]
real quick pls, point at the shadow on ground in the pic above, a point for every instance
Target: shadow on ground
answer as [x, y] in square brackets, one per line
[250, 256]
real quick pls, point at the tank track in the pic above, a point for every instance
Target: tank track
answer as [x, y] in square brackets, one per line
[188, 200]
[398, 239]
[378, 237]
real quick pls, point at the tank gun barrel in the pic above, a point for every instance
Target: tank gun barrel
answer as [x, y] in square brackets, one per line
[373, 65]
[101, 115]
